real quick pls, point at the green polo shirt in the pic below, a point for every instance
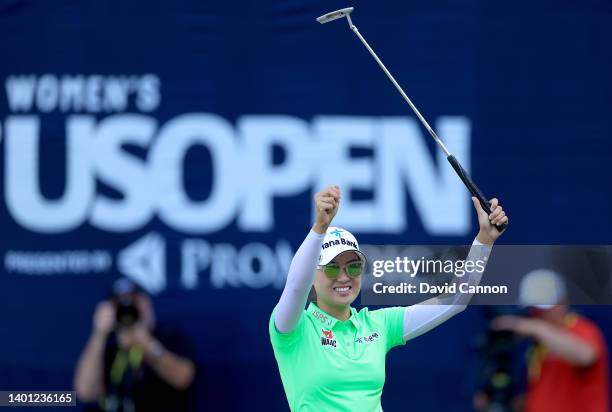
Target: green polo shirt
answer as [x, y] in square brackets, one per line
[329, 365]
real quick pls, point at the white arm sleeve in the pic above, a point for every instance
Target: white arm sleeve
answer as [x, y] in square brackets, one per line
[425, 316]
[299, 281]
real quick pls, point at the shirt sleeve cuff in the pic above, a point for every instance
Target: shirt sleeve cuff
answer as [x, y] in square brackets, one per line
[316, 235]
[485, 248]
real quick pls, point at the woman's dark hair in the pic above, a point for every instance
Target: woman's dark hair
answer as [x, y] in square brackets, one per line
[312, 296]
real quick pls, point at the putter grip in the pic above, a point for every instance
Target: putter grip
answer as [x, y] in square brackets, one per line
[474, 190]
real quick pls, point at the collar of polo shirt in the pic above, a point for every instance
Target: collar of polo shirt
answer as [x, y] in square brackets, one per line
[327, 320]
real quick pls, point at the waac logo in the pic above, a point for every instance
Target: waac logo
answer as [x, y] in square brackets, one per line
[328, 338]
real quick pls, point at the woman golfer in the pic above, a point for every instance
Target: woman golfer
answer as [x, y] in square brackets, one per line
[330, 356]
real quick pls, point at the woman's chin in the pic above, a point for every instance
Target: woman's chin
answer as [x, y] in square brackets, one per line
[343, 298]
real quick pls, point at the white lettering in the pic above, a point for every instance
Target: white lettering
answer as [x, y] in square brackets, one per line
[123, 172]
[149, 95]
[75, 93]
[335, 137]
[195, 258]
[263, 180]
[375, 161]
[47, 93]
[71, 96]
[20, 92]
[166, 158]
[23, 196]
[440, 199]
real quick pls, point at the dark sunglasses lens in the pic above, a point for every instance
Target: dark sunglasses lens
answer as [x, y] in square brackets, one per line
[331, 271]
[354, 269]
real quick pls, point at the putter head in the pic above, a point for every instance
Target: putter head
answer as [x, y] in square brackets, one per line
[334, 15]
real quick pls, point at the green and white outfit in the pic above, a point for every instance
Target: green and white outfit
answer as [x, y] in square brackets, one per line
[331, 365]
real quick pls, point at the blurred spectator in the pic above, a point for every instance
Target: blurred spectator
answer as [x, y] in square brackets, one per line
[500, 374]
[568, 361]
[129, 364]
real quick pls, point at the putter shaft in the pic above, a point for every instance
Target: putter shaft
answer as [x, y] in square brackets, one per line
[399, 88]
[461, 172]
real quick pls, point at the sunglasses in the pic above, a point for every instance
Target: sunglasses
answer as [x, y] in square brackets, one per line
[353, 269]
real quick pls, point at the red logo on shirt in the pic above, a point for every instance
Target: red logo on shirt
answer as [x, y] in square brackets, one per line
[328, 338]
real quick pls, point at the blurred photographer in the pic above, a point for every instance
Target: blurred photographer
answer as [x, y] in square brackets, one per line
[129, 364]
[568, 361]
[500, 377]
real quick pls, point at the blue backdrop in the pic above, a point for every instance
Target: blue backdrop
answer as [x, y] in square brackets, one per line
[179, 143]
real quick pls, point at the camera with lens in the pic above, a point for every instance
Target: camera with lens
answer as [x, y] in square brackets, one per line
[124, 297]
[127, 312]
